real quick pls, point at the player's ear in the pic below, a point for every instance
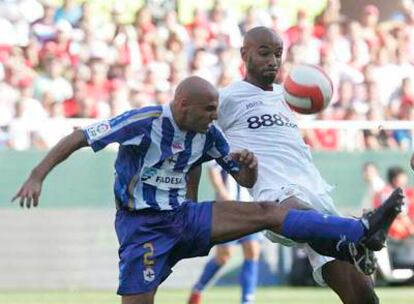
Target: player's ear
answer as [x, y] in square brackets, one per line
[184, 104]
[243, 53]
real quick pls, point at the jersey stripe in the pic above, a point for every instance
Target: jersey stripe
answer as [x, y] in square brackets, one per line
[166, 140]
[143, 149]
[186, 154]
[173, 198]
[149, 196]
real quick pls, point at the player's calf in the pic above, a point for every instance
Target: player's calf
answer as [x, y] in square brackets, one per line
[356, 254]
[369, 231]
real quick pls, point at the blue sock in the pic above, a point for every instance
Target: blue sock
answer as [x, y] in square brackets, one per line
[209, 271]
[303, 225]
[248, 280]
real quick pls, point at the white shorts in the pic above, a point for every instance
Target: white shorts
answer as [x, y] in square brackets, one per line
[320, 202]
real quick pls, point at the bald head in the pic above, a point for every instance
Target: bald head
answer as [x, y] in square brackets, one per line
[261, 35]
[195, 89]
[195, 104]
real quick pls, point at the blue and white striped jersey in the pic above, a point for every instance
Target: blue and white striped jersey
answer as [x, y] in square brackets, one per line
[155, 156]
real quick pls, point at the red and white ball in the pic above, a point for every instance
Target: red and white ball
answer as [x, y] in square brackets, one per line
[307, 89]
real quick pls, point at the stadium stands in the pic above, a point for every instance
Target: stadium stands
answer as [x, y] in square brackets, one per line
[64, 61]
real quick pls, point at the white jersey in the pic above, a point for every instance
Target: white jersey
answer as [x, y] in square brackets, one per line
[262, 122]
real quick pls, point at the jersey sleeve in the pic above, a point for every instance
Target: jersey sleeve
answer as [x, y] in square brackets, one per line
[121, 128]
[220, 151]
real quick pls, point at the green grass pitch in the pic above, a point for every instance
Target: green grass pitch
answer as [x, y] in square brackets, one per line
[283, 295]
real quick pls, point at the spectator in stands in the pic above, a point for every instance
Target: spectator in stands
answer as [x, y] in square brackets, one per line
[9, 93]
[70, 11]
[49, 132]
[369, 22]
[53, 80]
[98, 87]
[403, 226]
[250, 20]
[344, 101]
[359, 48]
[154, 48]
[374, 184]
[44, 29]
[20, 129]
[306, 48]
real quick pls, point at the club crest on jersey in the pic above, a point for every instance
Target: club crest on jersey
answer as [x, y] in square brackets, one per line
[98, 130]
[149, 274]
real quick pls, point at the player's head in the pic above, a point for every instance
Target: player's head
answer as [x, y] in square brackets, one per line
[195, 104]
[397, 177]
[262, 54]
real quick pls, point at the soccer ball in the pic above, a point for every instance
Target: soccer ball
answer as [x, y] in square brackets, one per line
[307, 89]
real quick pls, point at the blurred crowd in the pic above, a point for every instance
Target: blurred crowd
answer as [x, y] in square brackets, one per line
[63, 62]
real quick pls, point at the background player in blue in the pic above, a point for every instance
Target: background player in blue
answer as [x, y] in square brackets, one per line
[227, 189]
[156, 225]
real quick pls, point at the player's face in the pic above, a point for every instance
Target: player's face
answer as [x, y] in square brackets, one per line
[201, 114]
[264, 59]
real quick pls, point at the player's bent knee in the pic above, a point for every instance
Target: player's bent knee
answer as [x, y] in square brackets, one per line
[223, 254]
[251, 250]
[272, 214]
[222, 259]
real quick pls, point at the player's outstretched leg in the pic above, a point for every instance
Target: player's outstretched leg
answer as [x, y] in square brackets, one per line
[370, 230]
[232, 220]
[377, 223]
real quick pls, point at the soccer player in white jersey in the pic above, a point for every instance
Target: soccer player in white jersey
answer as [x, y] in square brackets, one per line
[155, 223]
[253, 115]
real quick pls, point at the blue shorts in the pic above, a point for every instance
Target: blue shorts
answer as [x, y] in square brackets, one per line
[152, 242]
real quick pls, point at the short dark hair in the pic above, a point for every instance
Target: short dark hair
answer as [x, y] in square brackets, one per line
[393, 172]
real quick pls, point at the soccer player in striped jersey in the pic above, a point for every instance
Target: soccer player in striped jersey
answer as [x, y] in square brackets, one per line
[155, 223]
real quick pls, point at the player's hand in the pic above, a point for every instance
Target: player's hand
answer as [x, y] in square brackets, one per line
[29, 193]
[245, 158]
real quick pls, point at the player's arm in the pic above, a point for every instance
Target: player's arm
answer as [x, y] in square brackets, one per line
[119, 129]
[31, 189]
[193, 181]
[246, 176]
[242, 165]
